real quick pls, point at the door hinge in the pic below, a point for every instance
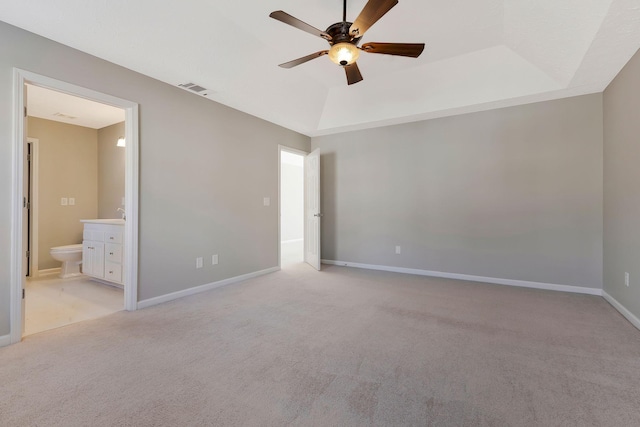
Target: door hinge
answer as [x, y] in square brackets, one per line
[22, 293]
[24, 202]
[28, 205]
[29, 157]
[25, 111]
[28, 254]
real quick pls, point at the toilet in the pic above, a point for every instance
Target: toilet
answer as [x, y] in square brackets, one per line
[71, 258]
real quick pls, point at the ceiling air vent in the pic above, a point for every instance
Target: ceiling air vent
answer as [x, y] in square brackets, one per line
[195, 88]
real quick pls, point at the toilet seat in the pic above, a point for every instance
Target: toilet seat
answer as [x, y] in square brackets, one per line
[67, 248]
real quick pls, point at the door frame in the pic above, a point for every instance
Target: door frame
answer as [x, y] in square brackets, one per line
[302, 153]
[35, 217]
[20, 77]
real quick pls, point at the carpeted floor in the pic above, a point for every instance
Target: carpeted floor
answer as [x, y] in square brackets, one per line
[340, 347]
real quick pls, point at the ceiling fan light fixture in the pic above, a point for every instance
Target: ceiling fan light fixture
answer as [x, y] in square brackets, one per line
[344, 53]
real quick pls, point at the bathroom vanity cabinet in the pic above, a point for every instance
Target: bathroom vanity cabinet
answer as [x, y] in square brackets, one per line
[102, 249]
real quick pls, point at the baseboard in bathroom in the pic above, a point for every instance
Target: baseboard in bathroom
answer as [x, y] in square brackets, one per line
[104, 282]
[5, 340]
[49, 272]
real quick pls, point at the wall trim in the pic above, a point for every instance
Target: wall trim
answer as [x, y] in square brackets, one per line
[494, 280]
[203, 288]
[49, 271]
[622, 309]
[5, 340]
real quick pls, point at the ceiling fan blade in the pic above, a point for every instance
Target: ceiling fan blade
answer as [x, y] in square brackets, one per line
[295, 22]
[373, 10]
[304, 59]
[353, 73]
[412, 50]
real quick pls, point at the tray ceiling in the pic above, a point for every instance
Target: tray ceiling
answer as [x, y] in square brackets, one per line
[479, 54]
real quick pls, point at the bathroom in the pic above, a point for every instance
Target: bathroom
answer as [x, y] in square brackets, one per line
[77, 172]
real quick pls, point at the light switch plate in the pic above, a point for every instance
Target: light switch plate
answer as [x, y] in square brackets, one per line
[267, 201]
[72, 201]
[64, 201]
[199, 262]
[214, 259]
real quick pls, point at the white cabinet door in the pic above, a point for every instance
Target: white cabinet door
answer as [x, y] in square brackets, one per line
[87, 258]
[93, 258]
[98, 259]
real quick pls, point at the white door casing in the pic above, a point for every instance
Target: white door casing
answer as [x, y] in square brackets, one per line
[25, 210]
[312, 214]
[131, 190]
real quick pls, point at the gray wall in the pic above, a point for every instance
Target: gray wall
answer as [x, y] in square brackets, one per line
[68, 160]
[622, 186]
[204, 169]
[514, 193]
[111, 171]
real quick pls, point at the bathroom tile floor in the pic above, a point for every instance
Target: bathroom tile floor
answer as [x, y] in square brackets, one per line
[52, 302]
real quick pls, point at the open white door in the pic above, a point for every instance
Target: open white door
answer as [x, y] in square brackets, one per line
[312, 212]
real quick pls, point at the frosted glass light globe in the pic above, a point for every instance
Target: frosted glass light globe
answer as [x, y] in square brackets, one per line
[344, 53]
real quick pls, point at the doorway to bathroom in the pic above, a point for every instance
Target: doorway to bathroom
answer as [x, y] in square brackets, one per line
[75, 172]
[78, 153]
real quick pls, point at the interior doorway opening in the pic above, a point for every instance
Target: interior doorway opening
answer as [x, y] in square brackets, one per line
[75, 171]
[22, 219]
[291, 207]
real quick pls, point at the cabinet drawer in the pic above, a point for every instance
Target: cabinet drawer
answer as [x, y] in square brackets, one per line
[113, 252]
[113, 272]
[113, 237]
[96, 236]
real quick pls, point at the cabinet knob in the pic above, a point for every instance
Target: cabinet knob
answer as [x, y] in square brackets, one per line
[110, 253]
[110, 272]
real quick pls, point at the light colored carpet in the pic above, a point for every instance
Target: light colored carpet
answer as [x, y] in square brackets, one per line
[339, 347]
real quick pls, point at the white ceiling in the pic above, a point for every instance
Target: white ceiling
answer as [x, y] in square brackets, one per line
[479, 54]
[60, 107]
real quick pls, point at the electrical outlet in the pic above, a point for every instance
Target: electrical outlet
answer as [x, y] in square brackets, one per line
[266, 201]
[626, 279]
[199, 262]
[398, 250]
[214, 259]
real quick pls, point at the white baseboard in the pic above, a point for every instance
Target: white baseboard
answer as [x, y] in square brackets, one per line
[622, 309]
[203, 288]
[49, 272]
[494, 280]
[5, 340]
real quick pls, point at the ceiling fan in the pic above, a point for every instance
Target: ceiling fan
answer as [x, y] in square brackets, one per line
[344, 38]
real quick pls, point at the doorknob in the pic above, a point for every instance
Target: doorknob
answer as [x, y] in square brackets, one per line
[318, 215]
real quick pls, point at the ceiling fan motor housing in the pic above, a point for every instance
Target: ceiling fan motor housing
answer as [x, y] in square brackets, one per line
[339, 33]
